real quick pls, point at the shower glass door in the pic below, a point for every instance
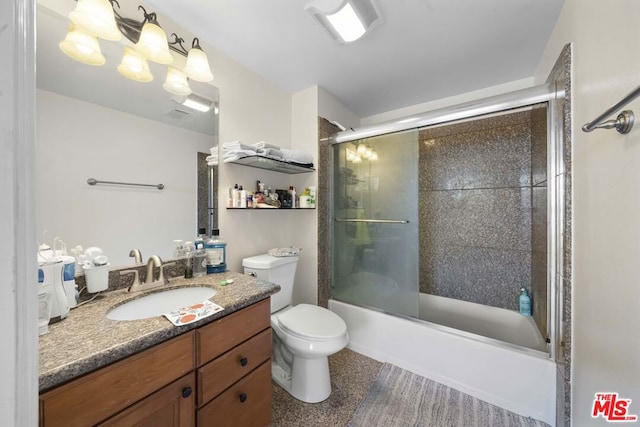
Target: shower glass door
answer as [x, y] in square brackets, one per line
[375, 223]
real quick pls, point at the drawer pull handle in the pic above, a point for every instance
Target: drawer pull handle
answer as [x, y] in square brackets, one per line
[244, 361]
[186, 392]
[243, 397]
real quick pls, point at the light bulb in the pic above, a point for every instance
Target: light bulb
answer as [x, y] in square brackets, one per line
[361, 149]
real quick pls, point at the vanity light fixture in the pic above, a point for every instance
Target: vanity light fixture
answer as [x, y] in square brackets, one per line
[134, 66]
[345, 20]
[82, 46]
[362, 152]
[176, 82]
[99, 18]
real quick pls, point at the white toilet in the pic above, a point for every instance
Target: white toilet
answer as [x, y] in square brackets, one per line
[303, 336]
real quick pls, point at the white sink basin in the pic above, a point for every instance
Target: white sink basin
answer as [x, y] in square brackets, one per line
[159, 303]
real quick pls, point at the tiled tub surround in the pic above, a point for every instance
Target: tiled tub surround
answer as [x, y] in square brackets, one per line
[86, 340]
[476, 209]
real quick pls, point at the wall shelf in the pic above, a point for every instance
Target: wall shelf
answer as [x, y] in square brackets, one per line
[272, 164]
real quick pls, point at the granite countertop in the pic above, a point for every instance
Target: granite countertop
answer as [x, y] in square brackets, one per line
[86, 340]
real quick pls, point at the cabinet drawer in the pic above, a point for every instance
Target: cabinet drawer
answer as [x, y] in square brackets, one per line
[95, 396]
[174, 405]
[247, 403]
[222, 335]
[217, 375]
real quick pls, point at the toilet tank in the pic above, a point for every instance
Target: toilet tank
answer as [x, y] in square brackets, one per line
[278, 270]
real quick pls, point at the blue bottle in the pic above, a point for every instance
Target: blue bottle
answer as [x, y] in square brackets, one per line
[525, 303]
[216, 253]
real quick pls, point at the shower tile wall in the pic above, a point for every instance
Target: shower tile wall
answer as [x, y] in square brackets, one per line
[476, 210]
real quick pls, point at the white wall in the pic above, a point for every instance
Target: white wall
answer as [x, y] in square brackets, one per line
[304, 228]
[331, 109]
[77, 140]
[606, 232]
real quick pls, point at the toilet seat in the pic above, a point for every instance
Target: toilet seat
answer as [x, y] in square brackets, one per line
[311, 322]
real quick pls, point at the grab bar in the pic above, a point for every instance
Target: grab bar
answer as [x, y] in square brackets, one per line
[380, 221]
[93, 181]
[623, 123]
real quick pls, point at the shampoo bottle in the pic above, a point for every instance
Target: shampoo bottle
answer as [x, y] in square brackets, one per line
[525, 303]
[216, 250]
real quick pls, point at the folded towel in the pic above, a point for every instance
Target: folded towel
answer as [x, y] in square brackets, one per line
[214, 150]
[263, 144]
[213, 162]
[270, 152]
[242, 152]
[297, 156]
[237, 145]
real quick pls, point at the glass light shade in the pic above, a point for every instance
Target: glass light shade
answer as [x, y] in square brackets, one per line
[347, 24]
[368, 153]
[96, 17]
[153, 44]
[374, 156]
[357, 159]
[176, 82]
[82, 47]
[361, 149]
[134, 66]
[350, 155]
[197, 67]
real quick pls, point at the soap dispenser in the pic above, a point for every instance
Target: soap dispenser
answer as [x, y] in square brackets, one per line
[525, 303]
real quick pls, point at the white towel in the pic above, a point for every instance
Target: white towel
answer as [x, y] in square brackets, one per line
[237, 145]
[270, 152]
[263, 144]
[297, 156]
[237, 154]
[214, 150]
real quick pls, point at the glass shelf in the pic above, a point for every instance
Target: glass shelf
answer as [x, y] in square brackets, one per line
[272, 164]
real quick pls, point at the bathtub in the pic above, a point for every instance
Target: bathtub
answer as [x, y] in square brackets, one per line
[491, 367]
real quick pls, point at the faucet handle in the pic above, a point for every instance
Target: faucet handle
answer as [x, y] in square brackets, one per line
[136, 278]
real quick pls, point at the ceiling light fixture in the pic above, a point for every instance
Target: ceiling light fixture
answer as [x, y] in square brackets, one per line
[345, 20]
[197, 102]
[99, 18]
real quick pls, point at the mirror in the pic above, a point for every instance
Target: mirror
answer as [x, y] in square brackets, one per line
[92, 122]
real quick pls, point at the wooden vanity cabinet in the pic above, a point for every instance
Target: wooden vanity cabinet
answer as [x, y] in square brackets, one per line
[234, 374]
[218, 374]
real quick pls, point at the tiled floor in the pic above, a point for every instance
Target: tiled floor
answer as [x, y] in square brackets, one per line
[351, 376]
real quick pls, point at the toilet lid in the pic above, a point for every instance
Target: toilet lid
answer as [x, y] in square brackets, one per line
[312, 322]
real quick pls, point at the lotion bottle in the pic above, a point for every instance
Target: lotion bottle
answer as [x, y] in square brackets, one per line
[525, 303]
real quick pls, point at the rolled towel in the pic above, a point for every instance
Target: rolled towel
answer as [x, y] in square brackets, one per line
[270, 152]
[263, 144]
[297, 156]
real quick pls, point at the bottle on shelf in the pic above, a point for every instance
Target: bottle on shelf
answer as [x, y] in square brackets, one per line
[216, 253]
